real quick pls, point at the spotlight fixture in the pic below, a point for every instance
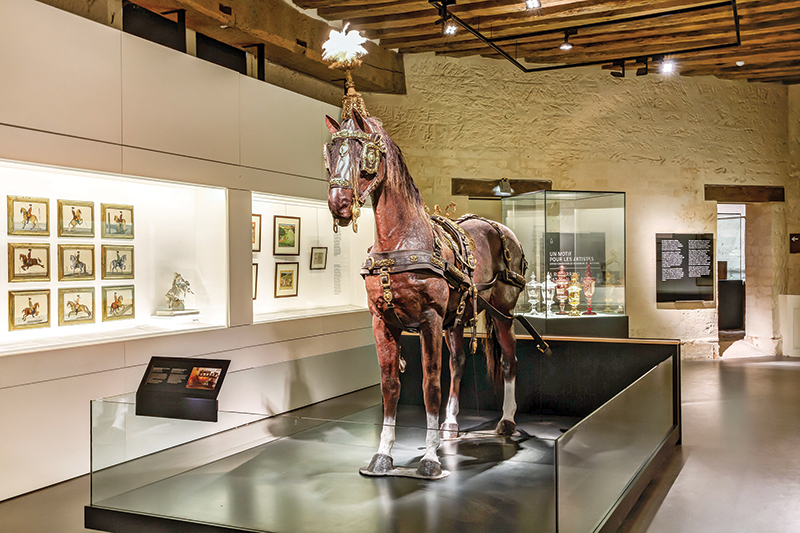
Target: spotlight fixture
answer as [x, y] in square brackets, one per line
[667, 66]
[450, 27]
[740, 63]
[532, 4]
[566, 45]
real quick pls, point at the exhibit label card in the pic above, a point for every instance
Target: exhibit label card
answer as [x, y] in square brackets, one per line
[684, 267]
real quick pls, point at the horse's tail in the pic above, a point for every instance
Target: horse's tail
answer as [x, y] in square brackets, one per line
[491, 346]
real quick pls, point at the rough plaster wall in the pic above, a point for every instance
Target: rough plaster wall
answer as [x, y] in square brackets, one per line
[793, 186]
[658, 140]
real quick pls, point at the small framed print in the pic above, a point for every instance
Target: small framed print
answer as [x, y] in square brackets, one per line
[116, 262]
[28, 216]
[75, 306]
[28, 262]
[255, 280]
[286, 235]
[75, 219]
[28, 309]
[118, 303]
[286, 279]
[256, 226]
[75, 262]
[319, 258]
[117, 221]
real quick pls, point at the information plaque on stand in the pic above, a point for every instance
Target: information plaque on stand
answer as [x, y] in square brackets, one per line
[684, 267]
[181, 387]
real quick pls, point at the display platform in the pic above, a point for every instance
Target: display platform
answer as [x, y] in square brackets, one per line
[594, 422]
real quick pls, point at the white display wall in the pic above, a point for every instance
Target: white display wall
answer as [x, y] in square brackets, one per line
[176, 228]
[338, 286]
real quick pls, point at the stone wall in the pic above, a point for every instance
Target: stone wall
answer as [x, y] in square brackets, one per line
[659, 140]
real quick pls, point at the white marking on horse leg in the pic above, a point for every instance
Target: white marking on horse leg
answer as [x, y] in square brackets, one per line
[387, 436]
[432, 438]
[509, 400]
[452, 410]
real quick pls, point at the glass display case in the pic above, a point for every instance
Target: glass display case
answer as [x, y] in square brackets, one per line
[91, 256]
[575, 245]
[300, 266]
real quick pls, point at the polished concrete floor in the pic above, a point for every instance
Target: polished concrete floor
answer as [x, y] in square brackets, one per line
[737, 471]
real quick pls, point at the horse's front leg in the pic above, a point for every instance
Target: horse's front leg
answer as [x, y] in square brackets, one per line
[508, 347]
[387, 344]
[455, 344]
[431, 338]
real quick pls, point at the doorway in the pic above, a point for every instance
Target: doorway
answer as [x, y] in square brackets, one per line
[731, 279]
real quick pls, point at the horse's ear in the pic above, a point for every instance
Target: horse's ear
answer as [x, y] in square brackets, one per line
[362, 124]
[333, 126]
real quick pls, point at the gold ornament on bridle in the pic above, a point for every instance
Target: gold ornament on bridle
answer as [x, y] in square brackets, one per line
[344, 50]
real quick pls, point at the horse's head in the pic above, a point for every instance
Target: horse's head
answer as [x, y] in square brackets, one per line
[356, 163]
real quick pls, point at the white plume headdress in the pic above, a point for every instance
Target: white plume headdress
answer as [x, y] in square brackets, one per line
[343, 49]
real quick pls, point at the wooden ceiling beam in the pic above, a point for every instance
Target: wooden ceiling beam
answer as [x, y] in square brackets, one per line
[597, 34]
[291, 38]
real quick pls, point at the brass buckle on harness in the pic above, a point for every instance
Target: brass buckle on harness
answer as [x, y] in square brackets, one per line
[385, 282]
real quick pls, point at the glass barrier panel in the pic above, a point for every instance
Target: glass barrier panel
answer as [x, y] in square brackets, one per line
[597, 458]
[293, 473]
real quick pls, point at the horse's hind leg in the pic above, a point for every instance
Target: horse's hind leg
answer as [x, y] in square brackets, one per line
[508, 347]
[387, 344]
[431, 338]
[455, 344]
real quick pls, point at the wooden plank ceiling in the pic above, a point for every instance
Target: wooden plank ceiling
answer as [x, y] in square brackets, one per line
[769, 49]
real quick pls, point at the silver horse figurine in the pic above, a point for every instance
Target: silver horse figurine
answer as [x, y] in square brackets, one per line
[174, 296]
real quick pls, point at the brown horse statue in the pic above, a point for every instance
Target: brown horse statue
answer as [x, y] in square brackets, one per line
[424, 274]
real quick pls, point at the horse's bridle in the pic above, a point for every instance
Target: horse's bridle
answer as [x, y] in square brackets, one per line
[374, 148]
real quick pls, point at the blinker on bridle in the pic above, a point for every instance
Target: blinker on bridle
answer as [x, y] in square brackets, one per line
[373, 149]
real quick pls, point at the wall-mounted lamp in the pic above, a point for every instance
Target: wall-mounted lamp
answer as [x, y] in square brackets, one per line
[503, 188]
[667, 66]
[532, 4]
[566, 45]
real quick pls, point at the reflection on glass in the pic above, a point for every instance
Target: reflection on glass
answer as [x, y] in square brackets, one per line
[597, 458]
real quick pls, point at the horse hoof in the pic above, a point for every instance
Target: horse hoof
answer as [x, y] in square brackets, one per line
[506, 427]
[429, 468]
[449, 430]
[380, 464]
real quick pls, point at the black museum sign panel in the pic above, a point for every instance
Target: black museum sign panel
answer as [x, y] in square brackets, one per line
[684, 267]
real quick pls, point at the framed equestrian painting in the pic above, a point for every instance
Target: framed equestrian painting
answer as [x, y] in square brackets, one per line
[286, 235]
[118, 303]
[75, 306]
[286, 279]
[28, 216]
[116, 262]
[256, 233]
[75, 262]
[28, 309]
[75, 219]
[28, 262]
[116, 221]
[319, 258]
[255, 280]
